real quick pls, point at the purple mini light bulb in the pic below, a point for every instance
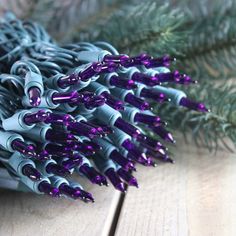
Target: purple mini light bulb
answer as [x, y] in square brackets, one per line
[137, 102]
[72, 162]
[55, 149]
[75, 193]
[43, 155]
[59, 119]
[34, 96]
[118, 59]
[95, 101]
[94, 145]
[115, 180]
[94, 176]
[83, 195]
[57, 169]
[113, 102]
[60, 137]
[134, 152]
[68, 80]
[81, 128]
[67, 97]
[148, 119]
[32, 173]
[48, 189]
[158, 62]
[90, 71]
[151, 144]
[23, 148]
[119, 82]
[145, 79]
[36, 117]
[163, 133]
[193, 105]
[154, 95]
[127, 128]
[122, 161]
[85, 149]
[127, 177]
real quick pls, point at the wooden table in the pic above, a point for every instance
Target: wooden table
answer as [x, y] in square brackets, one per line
[195, 196]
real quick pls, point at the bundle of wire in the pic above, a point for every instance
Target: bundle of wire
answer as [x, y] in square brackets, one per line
[80, 108]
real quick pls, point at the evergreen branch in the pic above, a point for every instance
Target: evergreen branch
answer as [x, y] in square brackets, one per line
[211, 48]
[146, 27]
[207, 129]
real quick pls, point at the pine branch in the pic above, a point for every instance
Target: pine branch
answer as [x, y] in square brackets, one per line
[207, 129]
[211, 48]
[148, 26]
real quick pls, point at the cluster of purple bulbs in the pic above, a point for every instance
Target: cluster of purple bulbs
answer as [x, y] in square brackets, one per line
[86, 109]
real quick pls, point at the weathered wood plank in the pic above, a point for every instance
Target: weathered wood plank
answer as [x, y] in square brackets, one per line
[25, 214]
[196, 196]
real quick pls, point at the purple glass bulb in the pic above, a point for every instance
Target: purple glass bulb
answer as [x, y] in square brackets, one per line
[58, 119]
[163, 133]
[85, 149]
[158, 62]
[108, 67]
[57, 149]
[105, 130]
[148, 119]
[34, 96]
[79, 128]
[23, 148]
[137, 102]
[154, 95]
[94, 176]
[134, 151]
[168, 77]
[127, 128]
[87, 95]
[119, 82]
[113, 102]
[68, 97]
[121, 160]
[186, 80]
[48, 189]
[95, 101]
[68, 80]
[43, 155]
[60, 137]
[32, 173]
[145, 79]
[95, 146]
[57, 170]
[193, 105]
[127, 177]
[141, 59]
[83, 195]
[35, 117]
[150, 162]
[90, 71]
[151, 144]
[115, 179]
[69, 191]
[118, 59]
[71, 163]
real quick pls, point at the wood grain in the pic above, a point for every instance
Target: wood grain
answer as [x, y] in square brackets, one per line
[195, 196]
[26, 214]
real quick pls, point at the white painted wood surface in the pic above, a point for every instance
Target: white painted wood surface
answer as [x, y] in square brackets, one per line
[196, 196]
